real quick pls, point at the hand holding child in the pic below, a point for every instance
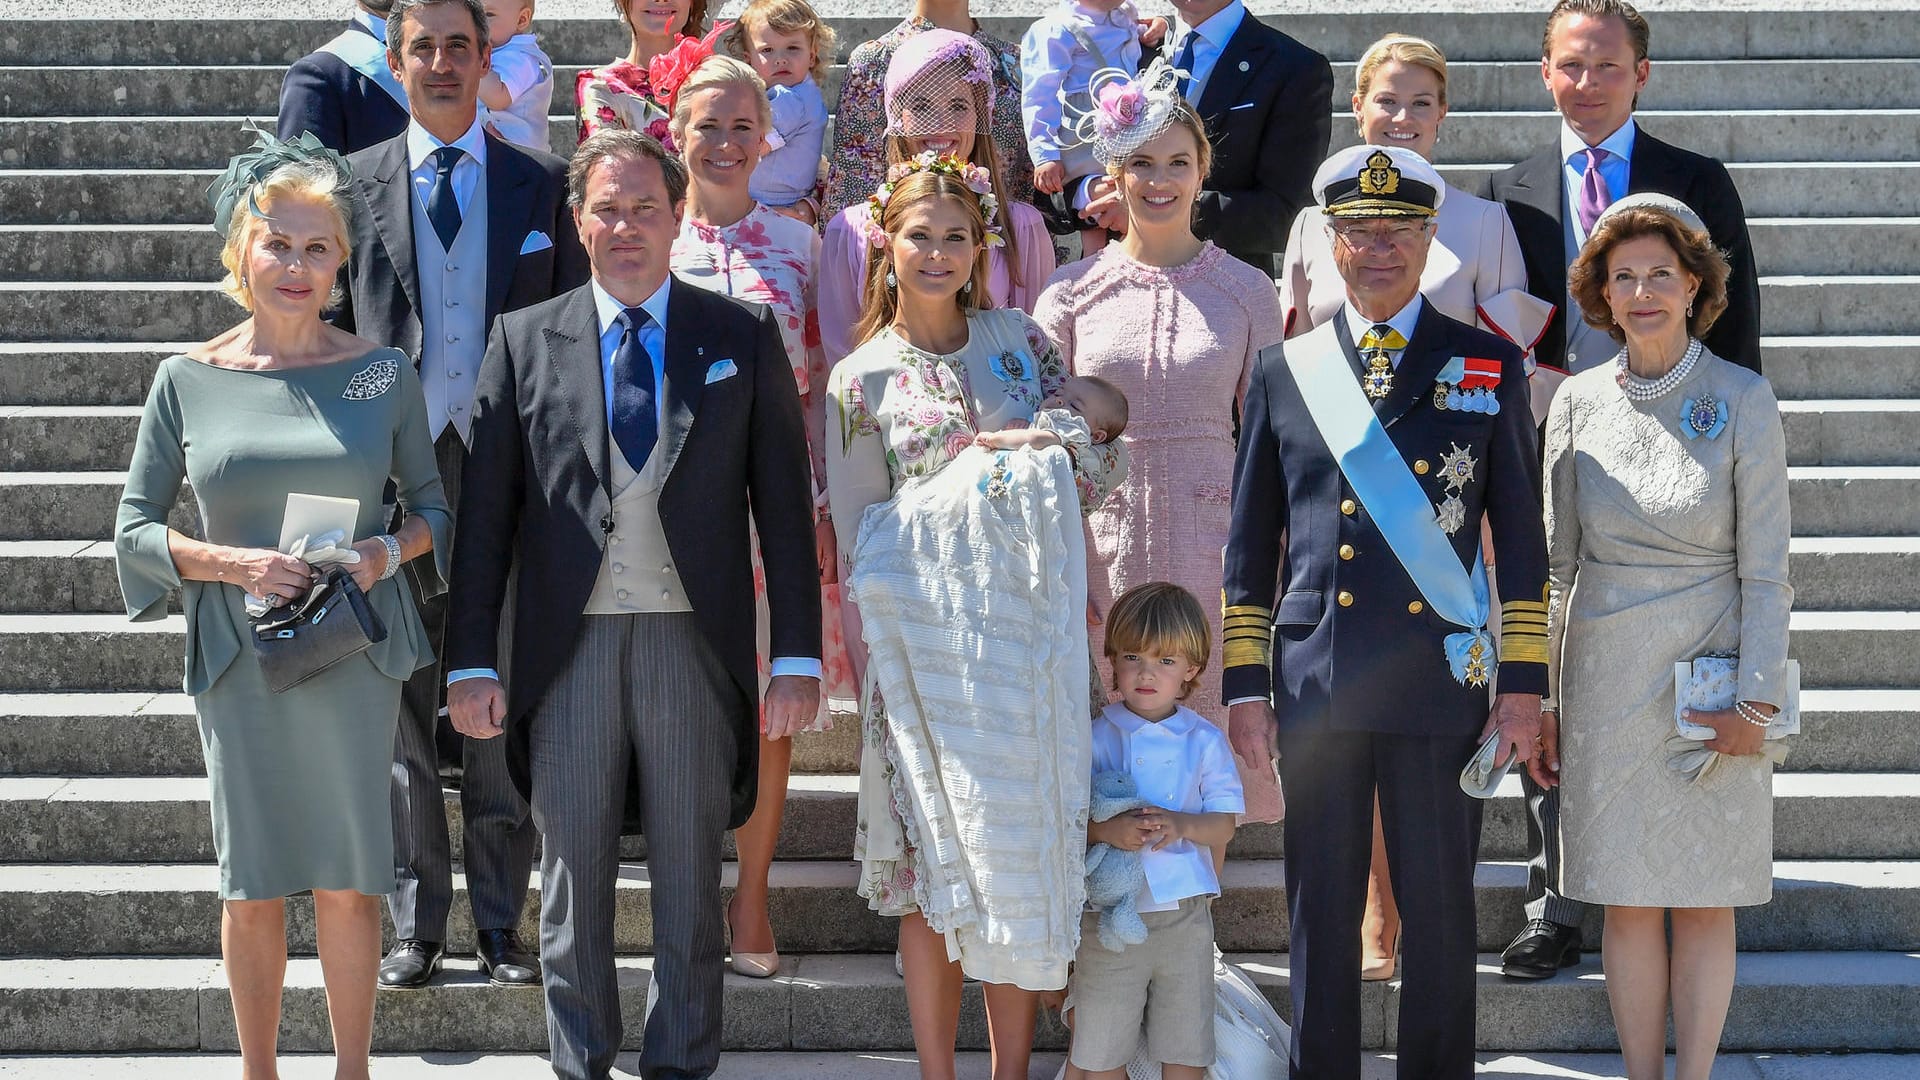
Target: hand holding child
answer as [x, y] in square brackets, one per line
[1049, 177]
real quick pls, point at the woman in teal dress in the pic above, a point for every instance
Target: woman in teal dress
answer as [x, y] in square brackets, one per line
[284, 403]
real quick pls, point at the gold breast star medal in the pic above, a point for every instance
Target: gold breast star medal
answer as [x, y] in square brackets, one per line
[1470, 657]
[1477, 663]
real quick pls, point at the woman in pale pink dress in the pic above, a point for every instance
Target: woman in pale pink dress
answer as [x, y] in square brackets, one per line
[1175, 323]
[732, 245]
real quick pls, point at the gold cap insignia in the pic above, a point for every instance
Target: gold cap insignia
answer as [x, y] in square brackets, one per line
[1379, 177]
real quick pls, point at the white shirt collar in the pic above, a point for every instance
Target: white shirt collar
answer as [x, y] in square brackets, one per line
[374, 23]
[1217, 28]
[1619, 144]
[1129, 721]
[1358, 324]
[609, 309]
[421, 143]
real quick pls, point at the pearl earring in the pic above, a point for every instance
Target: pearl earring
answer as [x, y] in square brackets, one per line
[1689, 307]
[892, 282]
[967, 289]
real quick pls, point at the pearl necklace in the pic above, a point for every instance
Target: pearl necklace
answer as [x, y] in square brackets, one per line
[1640, 389]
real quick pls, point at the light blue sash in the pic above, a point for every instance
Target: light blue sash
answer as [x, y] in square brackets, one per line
[1386, 487]
[364, 54]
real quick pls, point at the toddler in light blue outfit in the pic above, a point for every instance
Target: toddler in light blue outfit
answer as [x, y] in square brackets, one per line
[789, 47]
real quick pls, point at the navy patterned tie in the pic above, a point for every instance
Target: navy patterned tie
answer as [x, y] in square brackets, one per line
[442, 208]
[635, 424]
[1184, 62]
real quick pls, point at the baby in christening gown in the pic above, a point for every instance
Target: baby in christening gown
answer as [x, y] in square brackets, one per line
[1086, 410]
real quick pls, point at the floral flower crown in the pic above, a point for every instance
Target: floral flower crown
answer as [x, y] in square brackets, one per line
[1128, 112]
[975, 177]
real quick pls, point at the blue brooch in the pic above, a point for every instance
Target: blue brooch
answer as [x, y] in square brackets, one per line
[1010, 367]
[1703, 416]
[997, 482]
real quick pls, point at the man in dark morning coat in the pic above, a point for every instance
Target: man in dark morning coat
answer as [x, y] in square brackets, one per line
[629, 431]
[452, 227]
[343, 91]
[1594, 62]
[1267, 103]
[1378, 672]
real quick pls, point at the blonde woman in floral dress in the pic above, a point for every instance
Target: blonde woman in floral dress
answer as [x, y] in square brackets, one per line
[732, 245]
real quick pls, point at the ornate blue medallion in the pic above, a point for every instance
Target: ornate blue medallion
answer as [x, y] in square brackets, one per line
[1704, 415]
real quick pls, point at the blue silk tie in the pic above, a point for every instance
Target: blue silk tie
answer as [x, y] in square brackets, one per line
[443, 210]
[635, 423]
[1184, 62]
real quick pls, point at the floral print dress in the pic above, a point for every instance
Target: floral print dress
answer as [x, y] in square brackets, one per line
[858, 161]
[894, 413]
[767, 258]
[618, 96]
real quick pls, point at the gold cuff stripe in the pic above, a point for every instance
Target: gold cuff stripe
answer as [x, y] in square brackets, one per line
[1522, 623]
[1519, 606]
[1517, 652]
[1232, 610]
[1246, 654]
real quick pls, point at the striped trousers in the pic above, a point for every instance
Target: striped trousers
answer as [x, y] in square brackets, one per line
[645, 692]
[1544, 900]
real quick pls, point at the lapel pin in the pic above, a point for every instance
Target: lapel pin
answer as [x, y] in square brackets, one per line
[1244, 66]
[699, 350]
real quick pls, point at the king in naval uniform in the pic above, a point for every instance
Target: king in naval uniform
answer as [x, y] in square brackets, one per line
[1369, 451]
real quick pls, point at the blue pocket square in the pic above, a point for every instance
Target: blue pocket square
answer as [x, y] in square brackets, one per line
[535, 241]
[722, 370]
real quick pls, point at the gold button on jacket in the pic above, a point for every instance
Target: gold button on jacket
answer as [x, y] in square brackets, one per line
[1347, 506]
[1416, 608]
[1420, 467]
[1346, 551]
[1345, 598]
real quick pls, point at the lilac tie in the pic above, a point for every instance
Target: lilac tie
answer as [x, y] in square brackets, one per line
[1594, 196]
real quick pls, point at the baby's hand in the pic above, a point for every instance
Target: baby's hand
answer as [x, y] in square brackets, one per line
[1049, 177]
[1019, 438]
[1153, 32]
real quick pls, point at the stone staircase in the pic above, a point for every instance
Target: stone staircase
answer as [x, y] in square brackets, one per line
[110, 130]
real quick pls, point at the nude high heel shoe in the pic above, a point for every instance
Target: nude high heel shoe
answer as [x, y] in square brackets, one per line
[754, 965]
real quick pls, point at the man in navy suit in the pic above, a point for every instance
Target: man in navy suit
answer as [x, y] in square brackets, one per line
[452, 228]
[1370, 450]
[1594, 63]
[1266, 100]
[343, 91]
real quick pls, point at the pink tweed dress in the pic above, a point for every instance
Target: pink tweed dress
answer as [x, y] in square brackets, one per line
[1180, 343]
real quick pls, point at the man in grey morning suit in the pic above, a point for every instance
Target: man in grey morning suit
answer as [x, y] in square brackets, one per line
[626, 429]
[452, 227]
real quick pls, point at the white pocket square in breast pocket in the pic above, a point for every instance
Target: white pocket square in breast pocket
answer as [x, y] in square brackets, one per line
[535, 241]
[722, 370]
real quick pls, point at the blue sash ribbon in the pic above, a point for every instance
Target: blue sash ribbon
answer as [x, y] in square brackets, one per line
[367, 55]
[1399, 507]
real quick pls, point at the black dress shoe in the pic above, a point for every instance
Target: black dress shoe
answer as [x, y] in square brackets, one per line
[506, 961]
[1541, 949]
[411, 964]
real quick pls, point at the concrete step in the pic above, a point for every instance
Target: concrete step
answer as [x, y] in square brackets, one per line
[1837, 649]
[190, 90]
[901, 1065]
[1854, 500]
[191, 252]
[53, 505]
[1870, 573]
[171, 910]
[121, 195]
[1781, 1001]
[1878, 367]
[584, 34]
[68, 438]
[1757, 135]
[48, 311]
[136, 819]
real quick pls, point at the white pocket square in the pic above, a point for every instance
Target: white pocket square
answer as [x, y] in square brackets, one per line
[722, 370]
[535, 241]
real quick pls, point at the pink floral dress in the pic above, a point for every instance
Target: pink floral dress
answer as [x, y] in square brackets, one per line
[767, 258]
[618, 96]
[895, 412]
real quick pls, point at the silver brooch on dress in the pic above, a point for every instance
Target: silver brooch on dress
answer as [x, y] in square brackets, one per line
[372, 381]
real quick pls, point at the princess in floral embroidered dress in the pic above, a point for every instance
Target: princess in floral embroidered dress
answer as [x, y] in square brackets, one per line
[620, 95]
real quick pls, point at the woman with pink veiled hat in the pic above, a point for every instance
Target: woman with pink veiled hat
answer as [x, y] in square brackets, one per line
[939, 99]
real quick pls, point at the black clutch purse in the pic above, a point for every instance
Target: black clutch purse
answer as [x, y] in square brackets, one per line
[331, 623]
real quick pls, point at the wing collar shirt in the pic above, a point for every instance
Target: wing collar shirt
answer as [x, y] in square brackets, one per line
[1616, 170]
[1214, 33]
[1182, 763]
[466, 172]
[653, 338]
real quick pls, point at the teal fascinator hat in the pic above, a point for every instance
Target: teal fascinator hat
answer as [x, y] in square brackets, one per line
[246, 171]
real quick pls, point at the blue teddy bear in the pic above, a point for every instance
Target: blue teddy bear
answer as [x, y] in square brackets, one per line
[1115, 877]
